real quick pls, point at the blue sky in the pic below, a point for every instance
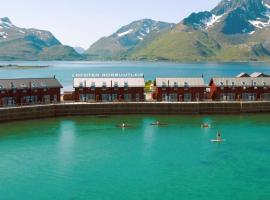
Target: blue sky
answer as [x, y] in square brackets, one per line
[82, 22]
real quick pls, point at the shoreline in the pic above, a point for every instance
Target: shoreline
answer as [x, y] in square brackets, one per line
[145, 61]
[152, 108]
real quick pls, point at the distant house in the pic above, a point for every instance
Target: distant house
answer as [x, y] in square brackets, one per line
[258, 74]
[242, 75]
[243, 88]
[27, 91]
[180, 89]
[108, 89]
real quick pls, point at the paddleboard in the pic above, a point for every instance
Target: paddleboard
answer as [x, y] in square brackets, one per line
[155, 124]
[218, 140]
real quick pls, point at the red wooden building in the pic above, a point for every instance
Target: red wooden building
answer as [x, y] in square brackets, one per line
[27, 91]
[240, 88]
[180, 89]
[109, 89]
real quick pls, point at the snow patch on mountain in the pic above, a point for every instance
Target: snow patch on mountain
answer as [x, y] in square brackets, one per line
[5, 23]
[266, 5]
[214, 19]
[3, 35]
[125, 33]
[259, 24]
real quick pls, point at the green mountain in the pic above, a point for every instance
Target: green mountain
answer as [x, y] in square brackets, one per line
[235, 30]
[31, 44]
[127, 39]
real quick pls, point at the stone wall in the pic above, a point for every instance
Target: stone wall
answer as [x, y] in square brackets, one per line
[57, 110]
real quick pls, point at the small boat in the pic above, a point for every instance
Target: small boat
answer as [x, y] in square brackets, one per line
[124, 126]
[204, 125]
[157, 123]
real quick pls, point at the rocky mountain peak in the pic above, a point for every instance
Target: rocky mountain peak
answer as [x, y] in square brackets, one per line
[5, 22]
[236, 16]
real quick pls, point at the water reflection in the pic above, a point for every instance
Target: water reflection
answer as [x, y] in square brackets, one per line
[67, 138]
[149, 135]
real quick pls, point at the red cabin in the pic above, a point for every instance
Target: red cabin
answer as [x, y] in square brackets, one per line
[180, 89]
[240, 89]
[29, 91]
[109, 89]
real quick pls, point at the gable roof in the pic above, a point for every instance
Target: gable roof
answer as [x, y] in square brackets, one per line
[258, 74]
[27, 83]
[100, 81]
[243, 74]
[180, 82]
[246, 81]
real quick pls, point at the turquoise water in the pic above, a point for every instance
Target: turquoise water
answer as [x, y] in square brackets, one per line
[91, 158]
[65, 70]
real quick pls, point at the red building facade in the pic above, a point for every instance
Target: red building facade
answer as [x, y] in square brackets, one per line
[29, 91]
[109, 89]
[180, 89]
[240, 89]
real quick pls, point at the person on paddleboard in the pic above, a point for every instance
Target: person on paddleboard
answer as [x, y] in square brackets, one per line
[219, 138]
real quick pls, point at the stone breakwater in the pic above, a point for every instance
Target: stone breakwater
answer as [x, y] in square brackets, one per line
[73, 109]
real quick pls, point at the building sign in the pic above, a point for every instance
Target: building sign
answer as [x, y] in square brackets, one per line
[109, 75]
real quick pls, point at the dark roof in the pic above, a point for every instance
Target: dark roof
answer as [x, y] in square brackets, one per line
[180, 82]
[26, 83]
[243, 74]
[258, 74]
[245, 81]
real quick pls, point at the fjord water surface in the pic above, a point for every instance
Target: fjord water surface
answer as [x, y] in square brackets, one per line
[151, 70]
[92, 158]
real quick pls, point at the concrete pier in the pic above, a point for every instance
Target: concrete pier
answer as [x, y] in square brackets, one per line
[153, 108]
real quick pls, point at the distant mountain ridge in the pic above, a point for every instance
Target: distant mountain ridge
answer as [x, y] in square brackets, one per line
[31, 44]
[127, 39]
[235, 30]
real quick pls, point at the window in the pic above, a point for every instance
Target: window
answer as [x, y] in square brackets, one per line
[104, 84]
[187, 97]
[164, 84]
[12, 85]
[43, 84]
[255, 85]
[33, 85]
[115, 84]
[233, 85]
[1, 87]
[186, 84]
[46, 99]
[137, 97]
[244, 85]
[126, 85]
[127, 97]
[93, 86]
[23, 85]
[81, 84]
[175, 84]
